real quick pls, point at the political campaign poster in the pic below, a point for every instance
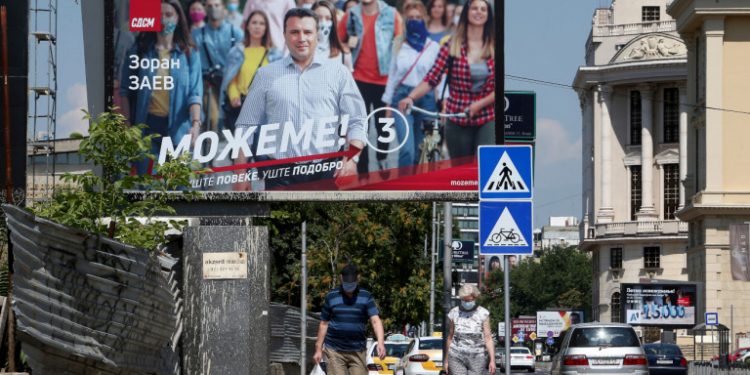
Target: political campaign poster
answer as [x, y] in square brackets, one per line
[551, 323]
[258, 116]
[659, 304]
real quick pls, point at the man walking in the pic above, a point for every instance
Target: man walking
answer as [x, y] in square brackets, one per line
[213, 42]
[369, 29]
[301, 87]
[342, 327]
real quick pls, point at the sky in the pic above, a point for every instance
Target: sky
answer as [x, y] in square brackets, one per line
[544, 40]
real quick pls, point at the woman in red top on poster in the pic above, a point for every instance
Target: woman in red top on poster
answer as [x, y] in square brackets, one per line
[469, 58]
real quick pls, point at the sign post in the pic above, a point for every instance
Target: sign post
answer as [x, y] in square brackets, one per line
[505, 219]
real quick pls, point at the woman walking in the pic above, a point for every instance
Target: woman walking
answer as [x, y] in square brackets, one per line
[414, 57]
[329, 45]
[243, 61]
[469, 60]
[469, 338]
[170, 110]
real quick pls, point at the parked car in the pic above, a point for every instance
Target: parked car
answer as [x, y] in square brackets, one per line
[665, 359]
[395, 348]
[424, 356]
[745, 358]
[737, 354]
[601, 348]
[520, 358]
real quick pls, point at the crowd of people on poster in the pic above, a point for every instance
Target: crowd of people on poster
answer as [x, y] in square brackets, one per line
[267, 106]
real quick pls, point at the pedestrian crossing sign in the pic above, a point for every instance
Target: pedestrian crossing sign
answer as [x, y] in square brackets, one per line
[505, 172]
[505, 228]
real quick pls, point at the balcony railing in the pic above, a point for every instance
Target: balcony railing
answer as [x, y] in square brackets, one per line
[639, 229]
[634, 28]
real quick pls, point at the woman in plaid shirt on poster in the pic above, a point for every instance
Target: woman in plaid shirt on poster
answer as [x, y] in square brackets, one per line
[469, 59]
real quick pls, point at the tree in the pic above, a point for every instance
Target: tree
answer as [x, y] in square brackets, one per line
[99, 203]
[385, 240]
[561, 278]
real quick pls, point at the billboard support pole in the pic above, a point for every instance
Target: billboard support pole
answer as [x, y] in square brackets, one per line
[506, 296]
[447, 262]
[8, 187]
[432, 270]
[303, 303]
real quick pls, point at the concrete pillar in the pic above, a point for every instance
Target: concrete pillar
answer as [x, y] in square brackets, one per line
[683, 143]
[714, 32]
[647, 211]
[606, 214]
[226, 320]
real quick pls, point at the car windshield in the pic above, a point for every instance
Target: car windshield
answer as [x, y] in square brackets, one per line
[603, 336]
[392, 350]
[520, 351]
[662, 350]
[430, 344]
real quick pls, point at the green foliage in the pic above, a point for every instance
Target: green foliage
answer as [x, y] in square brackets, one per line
[385, 241]
[113, 146]
[561, 278]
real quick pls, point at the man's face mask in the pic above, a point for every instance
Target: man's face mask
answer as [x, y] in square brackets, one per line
[215, 13]
[349, 287]
[233, 7]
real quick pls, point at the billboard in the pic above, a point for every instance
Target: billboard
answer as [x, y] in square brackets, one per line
[312, 131]
[659, 304]
[551, 323]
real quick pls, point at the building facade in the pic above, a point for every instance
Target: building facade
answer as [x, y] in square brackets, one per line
[717, 34]
[631, 91]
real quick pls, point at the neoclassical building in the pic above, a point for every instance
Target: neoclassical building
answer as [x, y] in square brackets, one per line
[717, 34]
[634, 149]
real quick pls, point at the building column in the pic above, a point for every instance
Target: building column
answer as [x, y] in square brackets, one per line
[714, 80]
[606, 214]
[683, 143]
[647, 211]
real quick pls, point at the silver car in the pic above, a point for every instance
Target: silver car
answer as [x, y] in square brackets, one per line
[600, 348]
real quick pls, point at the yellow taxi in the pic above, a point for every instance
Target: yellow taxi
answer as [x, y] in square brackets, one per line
[424, 356]
[395, 347]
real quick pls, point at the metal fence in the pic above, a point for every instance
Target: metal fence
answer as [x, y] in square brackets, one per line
[707, 368]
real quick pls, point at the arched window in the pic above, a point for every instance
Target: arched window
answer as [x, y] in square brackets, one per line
[614, 306]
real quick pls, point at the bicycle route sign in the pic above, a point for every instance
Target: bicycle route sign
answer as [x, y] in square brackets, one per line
[506, 190]
[505, 228]
[505, 172]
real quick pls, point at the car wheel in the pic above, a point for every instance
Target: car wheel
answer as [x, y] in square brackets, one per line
[531, 369]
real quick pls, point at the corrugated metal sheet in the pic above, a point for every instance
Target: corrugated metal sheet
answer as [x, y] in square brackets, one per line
[88, 305]
[285, 334]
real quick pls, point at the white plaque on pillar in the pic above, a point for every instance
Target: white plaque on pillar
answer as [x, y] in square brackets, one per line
[222, 266]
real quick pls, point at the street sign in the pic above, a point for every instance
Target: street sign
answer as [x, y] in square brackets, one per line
[505, 228]
[520, 116]
[550, 340]
[463, 251]
[712, 319]
[505, 172]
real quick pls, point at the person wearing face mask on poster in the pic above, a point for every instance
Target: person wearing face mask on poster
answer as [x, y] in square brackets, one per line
[469, 339]
[343, 319]
[168, 110]
[329, 45]
[233, 13]
[197, 14]
[213, 41]
[411, 59]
